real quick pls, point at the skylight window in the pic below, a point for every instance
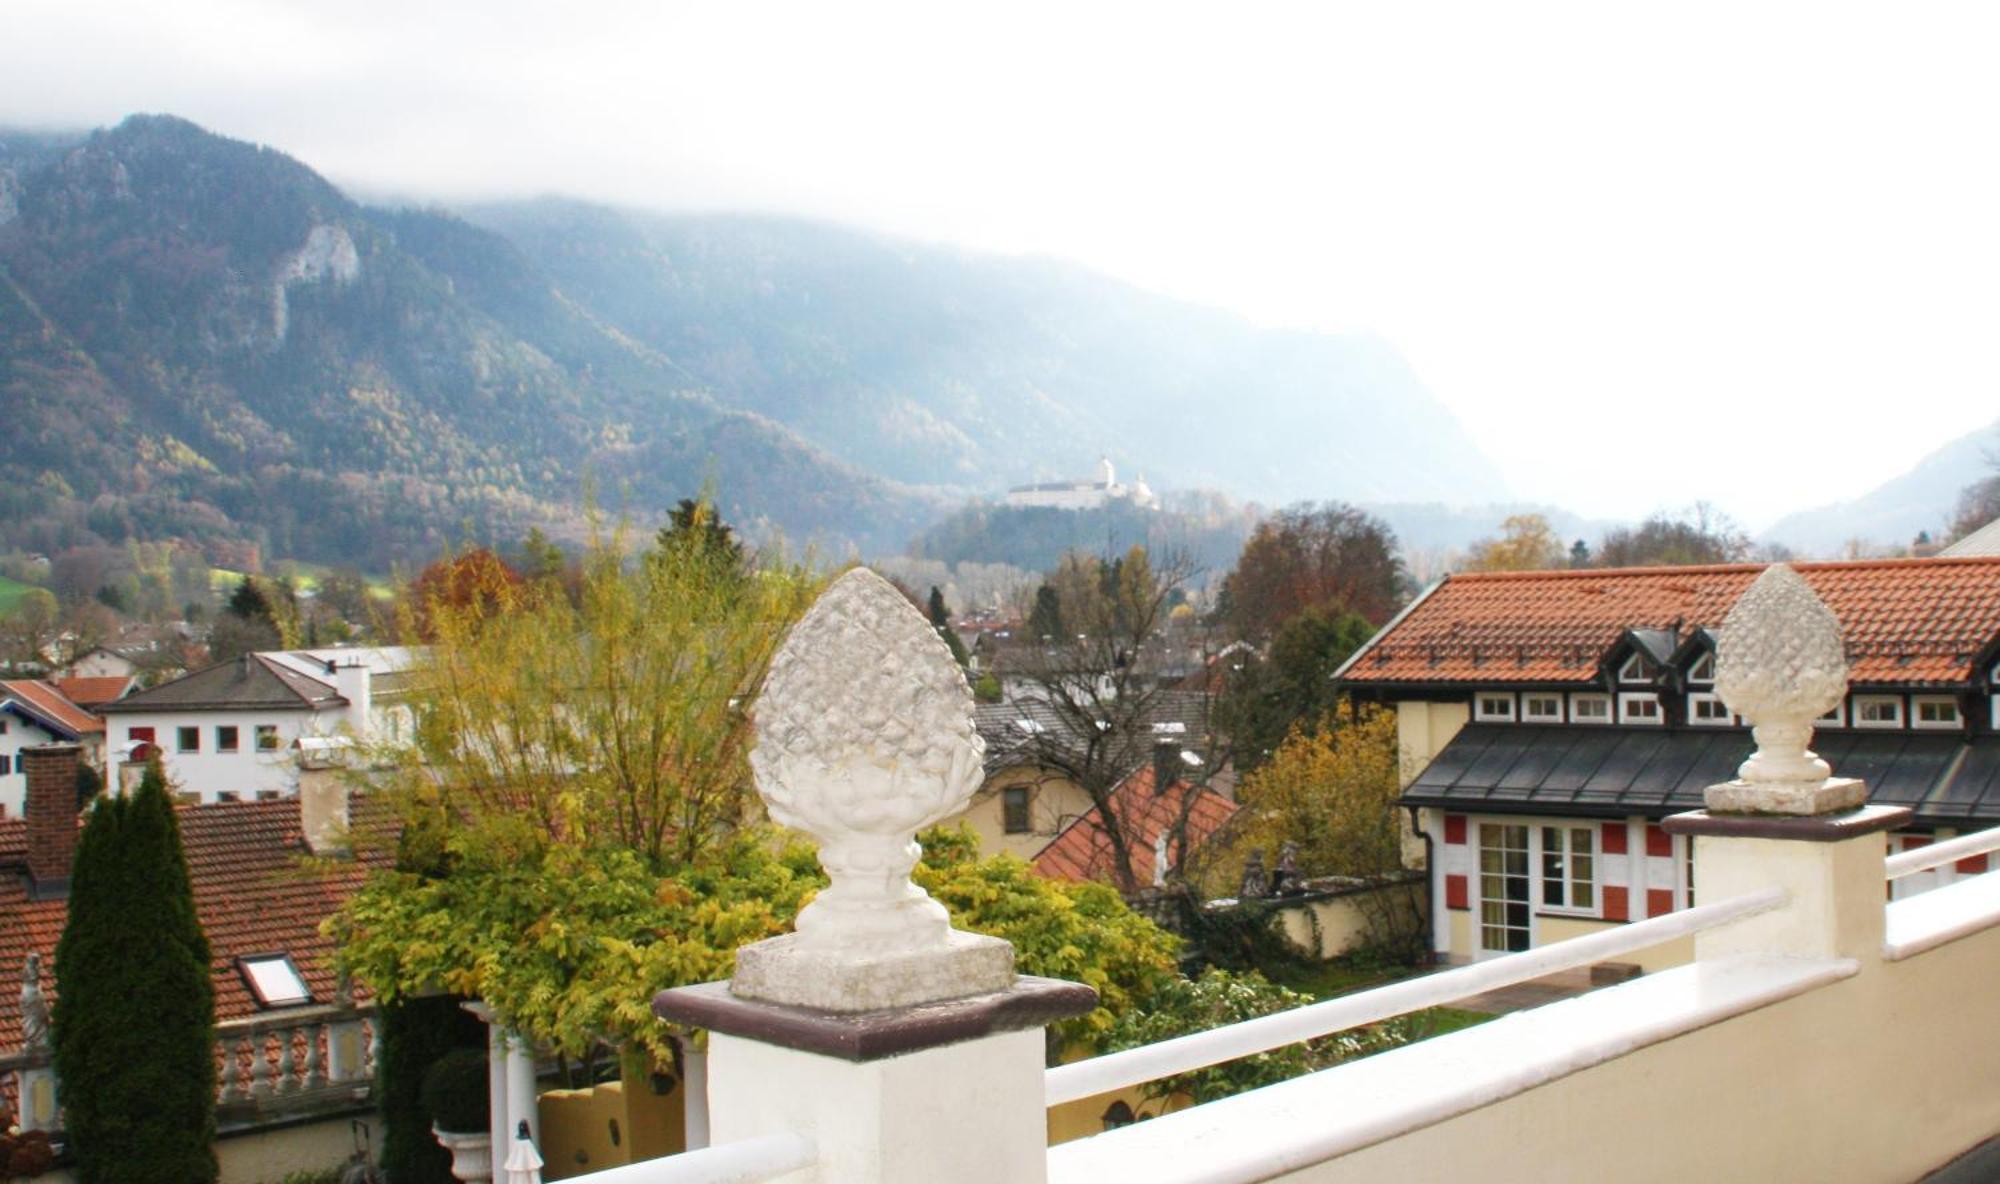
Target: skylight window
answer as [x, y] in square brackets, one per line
[1173, 728]
[274, 980]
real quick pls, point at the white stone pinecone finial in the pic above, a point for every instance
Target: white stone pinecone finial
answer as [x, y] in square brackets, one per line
[864, 736]
[1780, 664]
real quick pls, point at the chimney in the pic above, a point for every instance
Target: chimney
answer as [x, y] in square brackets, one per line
[355, 686]
[1166, 764]
[323, 810]
[51, 809]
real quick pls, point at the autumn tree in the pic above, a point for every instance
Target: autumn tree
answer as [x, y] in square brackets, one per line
[1700, 535]
[1326, 556]
[1272, 693]
[1100, 682]
[1331, 788]
[466, 588]
[615, 717]
[1978, 504]
[1527, 543]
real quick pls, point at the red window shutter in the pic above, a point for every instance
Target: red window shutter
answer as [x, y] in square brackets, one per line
[1613, 841]
[1454, 828]
[1456, 895]
[1658, 842]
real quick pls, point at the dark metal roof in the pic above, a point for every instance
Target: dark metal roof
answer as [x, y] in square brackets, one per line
[1615, 772]
[251, 681]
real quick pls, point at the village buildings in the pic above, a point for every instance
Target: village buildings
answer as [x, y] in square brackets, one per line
[1550, 720]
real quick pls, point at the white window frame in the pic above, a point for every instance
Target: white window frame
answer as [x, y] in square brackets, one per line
[274, 981]
[1694, 717]
[1625, 674]
[1481, 715]
[1537, 879]
[1861, 701]
[1537, 910]
[1996, 712]
[1577, 717]
[1625, 716]
[1704, 663]
[1837, 718]
[1530, 716]
[1917, 720]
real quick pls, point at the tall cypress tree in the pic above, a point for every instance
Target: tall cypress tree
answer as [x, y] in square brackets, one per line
[135, 1009]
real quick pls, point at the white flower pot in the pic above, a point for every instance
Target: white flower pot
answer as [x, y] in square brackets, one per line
[471, 1154]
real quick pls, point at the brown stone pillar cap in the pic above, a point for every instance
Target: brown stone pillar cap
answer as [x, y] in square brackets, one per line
[871, 1035]
[1819, 828]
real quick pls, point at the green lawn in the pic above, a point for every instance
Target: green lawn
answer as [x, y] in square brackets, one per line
[1324, 980]
[11, 592]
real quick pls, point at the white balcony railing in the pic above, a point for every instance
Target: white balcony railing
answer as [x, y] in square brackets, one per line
[1930, 919]
[1121, 1070]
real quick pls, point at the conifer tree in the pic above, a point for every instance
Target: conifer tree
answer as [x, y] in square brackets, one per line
[135, 1009]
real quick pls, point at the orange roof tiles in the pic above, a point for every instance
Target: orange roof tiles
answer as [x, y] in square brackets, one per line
[94, 692]
[250, 889]
[1082, 851]
[46, 700]
[1905, 620]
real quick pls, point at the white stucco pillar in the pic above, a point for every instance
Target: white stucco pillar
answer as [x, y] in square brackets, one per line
[521, 1089]
[694, 1094]
[499, 1129]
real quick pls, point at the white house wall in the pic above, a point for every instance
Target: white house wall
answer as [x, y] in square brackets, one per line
[244, 773]
[18, 734]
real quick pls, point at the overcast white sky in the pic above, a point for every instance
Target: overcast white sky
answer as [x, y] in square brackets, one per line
[1648, 253]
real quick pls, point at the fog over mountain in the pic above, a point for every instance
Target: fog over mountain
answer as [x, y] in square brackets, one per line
[1893, 513]
[206, 339]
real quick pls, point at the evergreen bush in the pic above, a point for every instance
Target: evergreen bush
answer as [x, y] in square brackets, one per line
[455, 1091]
[134, 1018]
[416, 1031]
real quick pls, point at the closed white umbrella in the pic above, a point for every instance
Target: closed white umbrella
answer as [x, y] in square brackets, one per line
[524, 1163]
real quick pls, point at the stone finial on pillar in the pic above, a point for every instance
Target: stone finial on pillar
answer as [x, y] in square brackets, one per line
[864, 737]
[1780, 664]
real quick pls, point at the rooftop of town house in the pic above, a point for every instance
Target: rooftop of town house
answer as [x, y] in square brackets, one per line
[1906, 622]
[48, 707]
[252, 891]
[1082, 850]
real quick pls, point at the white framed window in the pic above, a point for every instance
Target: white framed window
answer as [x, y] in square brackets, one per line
[267, 737]
[1638, 707]
[1493, 707]
[1590, 709]
[1995, 708]
[1878, 711]
[1542, 708]
[188, 739]
[1530, 868]
[1836, 718]
[1569, 869]
[1636, 669]
[1706, 709]
[1935, 711]
[1703, 670]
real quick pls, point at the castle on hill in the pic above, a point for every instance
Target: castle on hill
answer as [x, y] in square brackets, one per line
[1085, 495]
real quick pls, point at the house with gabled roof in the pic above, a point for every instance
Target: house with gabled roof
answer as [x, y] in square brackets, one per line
[1549, 720]
[1149, 808]
[34, 711]
[229, 732]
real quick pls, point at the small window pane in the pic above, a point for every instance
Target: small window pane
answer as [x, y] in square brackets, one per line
[225, 738]
[190, 739]
[267, 737]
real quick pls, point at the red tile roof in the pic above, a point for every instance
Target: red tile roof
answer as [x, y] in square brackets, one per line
[95, 692]
[250, 889]
[1905, 620]
[44, 699]
[1082, 851]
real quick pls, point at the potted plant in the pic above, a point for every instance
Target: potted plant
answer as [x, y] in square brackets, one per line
[455, 1092]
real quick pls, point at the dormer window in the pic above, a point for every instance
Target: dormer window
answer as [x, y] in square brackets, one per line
[1642, 707]
[1493, 707]
[1703, 670]
[1834, 718]
[1590, 709]
[1542, 708]
[1636, 669]
[1935, 711]
[274, 980]
[1878, 711]
[1707, 709]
